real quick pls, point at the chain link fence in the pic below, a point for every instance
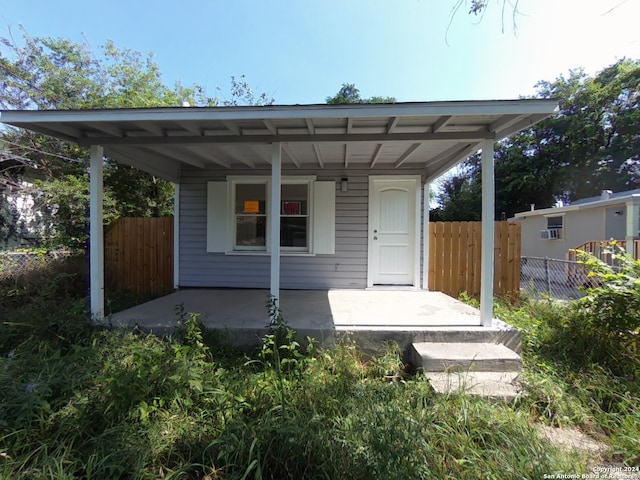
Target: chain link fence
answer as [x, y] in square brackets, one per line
[551, 277]
[14, 264]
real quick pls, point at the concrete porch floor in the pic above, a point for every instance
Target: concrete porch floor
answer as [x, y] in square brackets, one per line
[371, 317]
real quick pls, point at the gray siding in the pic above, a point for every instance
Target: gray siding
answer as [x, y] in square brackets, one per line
[347, 268]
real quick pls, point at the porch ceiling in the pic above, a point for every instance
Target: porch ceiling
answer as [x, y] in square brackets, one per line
[434, 136]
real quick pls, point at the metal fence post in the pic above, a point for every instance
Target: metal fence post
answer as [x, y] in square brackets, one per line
[547, 277]
[537, 273]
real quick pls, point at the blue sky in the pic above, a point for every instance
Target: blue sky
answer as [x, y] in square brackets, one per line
[302, 51]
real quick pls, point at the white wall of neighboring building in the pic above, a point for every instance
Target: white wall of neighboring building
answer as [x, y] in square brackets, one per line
[581, 224]
[615, 225]
[29, 224]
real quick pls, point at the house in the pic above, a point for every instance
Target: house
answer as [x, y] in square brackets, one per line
[553, 232]
[295, 197]
[22, 222]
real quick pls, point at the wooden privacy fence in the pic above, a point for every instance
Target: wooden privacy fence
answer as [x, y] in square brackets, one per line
[138, 255]
[454, 258]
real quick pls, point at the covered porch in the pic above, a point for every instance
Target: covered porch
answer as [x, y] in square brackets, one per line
[370, 316]
[365, 172]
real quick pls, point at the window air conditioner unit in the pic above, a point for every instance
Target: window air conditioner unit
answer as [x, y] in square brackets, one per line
[551, 234]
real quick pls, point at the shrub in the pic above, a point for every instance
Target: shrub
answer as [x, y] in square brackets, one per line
[606, 321]
[40, 275]
[42, 301]
[116, 404]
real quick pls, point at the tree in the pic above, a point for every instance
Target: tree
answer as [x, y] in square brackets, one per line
[460, 196]
[596, 132]
[48, 73]
[591, 144]
[348, 93]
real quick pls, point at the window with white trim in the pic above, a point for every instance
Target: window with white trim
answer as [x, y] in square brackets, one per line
[250, 212]
[294, 216]
[555, 228]
[238, 212]
[555, 222]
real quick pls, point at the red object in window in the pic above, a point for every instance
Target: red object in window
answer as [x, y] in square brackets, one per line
[291, 208]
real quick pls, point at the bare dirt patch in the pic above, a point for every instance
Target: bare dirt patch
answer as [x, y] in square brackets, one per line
[572, 438]
[594, 450]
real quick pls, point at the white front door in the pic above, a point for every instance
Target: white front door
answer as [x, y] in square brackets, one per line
[393, 251]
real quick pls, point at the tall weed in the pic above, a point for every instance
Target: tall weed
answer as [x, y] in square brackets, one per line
[580, 358]
[119, 404]
[608, 316]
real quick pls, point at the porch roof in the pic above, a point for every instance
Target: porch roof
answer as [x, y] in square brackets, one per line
[432, 135]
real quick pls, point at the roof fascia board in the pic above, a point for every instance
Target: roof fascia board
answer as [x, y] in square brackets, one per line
[493, 107]
[634, 198]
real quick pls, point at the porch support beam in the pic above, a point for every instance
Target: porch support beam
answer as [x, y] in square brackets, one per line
[405, 156]
[633, 226]
[488, 201]
[276, 170]
[376, 154]
[291, 155]
[437, 166]
[96, 238]
[425, 235]
[290, 138]
[176, 235]
[316, 150]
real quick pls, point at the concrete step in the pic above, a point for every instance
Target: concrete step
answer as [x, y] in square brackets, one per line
[497, 385]
[464, 357]
[485, 369]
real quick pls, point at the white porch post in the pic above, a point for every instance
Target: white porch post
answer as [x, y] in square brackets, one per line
[276, 161]
[633, 225]
[425, 235]
[488, 207]
[96, 238]
[176, 235]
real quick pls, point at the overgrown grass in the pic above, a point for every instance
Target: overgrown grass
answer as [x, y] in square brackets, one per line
[581, 359]
[47, 299]
[122, 405]
[83, 402]
[570, 383]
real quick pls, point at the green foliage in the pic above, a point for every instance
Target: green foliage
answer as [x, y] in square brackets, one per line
[116, 404]
[460, 196]
[591, 144]
[571, 375]
[54, 73]
[348, 93]
[280, 348]
[118, 300]
[78, 401]
[41, 297]
[608, 315]
[64, 203]
[613, 297]
[9, 217]
[599, 330]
